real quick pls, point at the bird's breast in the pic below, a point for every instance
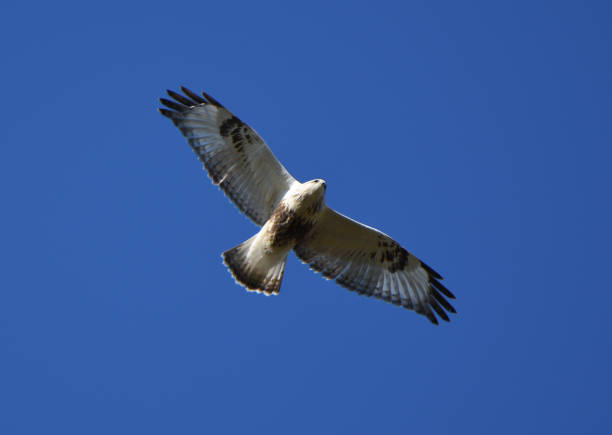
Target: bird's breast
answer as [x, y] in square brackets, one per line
[288, 225]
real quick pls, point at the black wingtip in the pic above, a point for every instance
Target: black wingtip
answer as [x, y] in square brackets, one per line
[180, 98]
[431, 271]
[211, 100]
[439, 311]
[438, 285]
[195, 97]
[438, 297]
[432, 318]
[167, 113]
[172, 105]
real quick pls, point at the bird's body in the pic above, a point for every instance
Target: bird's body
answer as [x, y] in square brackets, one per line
[259, 262]
[294, 216]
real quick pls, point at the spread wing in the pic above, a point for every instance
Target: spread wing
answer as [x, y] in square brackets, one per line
[369, 262]
[236, 158]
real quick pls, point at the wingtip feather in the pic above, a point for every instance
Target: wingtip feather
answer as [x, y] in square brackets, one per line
[438, 285]
[172, 105]
[431, 271]
[180, 98]
[211, 100]
[167, 113]
[439, 311]
[438, 297]
[432, 317]
[195, 97]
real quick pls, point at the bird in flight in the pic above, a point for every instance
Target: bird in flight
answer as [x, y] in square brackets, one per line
[294, 216]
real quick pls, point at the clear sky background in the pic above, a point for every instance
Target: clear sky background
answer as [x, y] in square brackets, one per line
[478, 134]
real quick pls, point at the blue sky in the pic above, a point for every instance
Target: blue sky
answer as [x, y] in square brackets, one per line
[477, 134]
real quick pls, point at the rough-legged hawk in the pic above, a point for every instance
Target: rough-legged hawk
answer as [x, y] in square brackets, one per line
[293, 215]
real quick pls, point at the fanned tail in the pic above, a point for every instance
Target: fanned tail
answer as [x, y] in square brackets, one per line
[255, 269]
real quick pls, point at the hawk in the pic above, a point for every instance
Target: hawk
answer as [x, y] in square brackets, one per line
[294, 216]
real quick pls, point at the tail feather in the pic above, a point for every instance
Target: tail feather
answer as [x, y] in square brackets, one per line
[255, 269]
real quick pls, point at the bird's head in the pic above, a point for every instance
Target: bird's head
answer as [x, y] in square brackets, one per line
[312, 191]
[316, 187]
[317, 184]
